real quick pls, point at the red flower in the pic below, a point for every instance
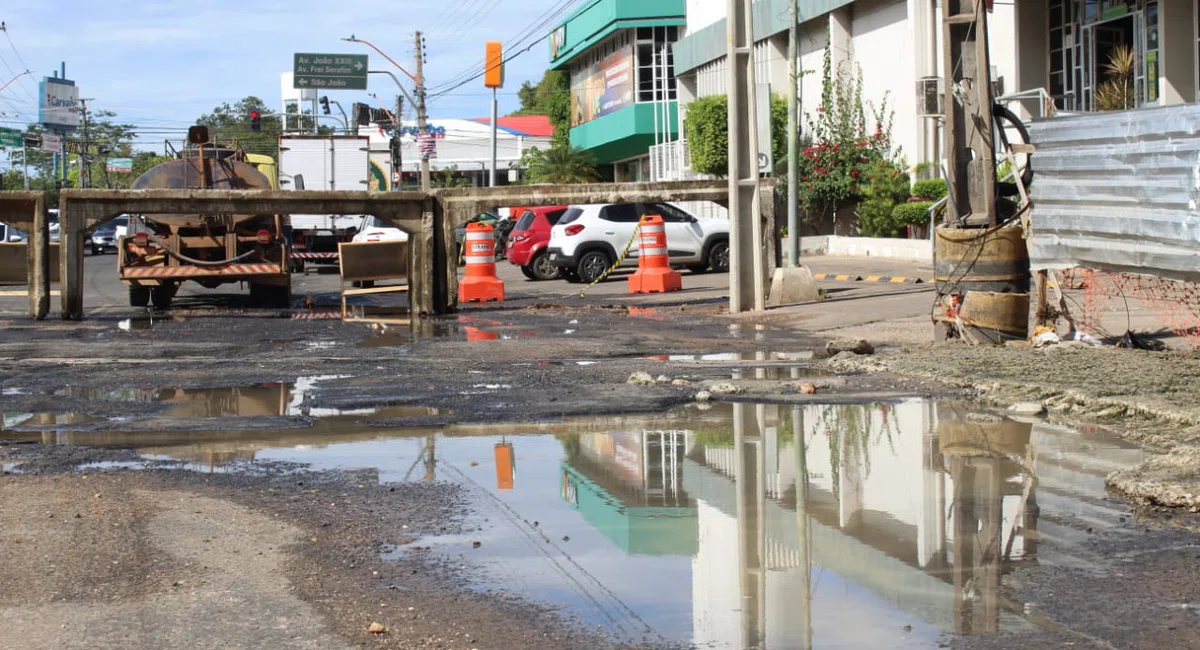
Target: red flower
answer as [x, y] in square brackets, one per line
[854, 173]
[821, 170]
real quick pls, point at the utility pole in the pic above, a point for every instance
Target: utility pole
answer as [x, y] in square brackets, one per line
[85, 166]
[793, 138]
[970, 154]
[422, 118]
[397, 160]
[746, 276]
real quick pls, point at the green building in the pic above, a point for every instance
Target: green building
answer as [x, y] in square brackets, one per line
[618, 56]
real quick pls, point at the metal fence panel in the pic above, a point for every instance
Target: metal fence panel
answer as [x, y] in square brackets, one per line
[1118, 192]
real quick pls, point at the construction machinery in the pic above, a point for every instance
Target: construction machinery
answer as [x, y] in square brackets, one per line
[162, 251]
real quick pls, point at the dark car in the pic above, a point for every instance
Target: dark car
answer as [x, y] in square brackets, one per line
[528, 241]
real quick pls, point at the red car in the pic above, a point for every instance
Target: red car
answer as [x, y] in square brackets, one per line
[528, 240]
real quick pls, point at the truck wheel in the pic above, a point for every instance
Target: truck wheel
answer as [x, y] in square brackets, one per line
[269, 296]
[139, 296]
[296, 266]
[162, 296]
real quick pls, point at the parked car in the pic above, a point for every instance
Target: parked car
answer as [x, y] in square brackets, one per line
[104, 237]
[501, 225]
[11, 235]
[588, 238]
[529, 238]
[55, 230]
[374, 229]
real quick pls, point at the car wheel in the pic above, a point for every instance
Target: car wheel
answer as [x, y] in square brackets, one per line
[527, 270]
[542, 267]
[718, 257]
[591, 266]
[96, 250]
[139, 296]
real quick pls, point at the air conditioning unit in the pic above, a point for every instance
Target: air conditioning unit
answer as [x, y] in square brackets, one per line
[929, 97]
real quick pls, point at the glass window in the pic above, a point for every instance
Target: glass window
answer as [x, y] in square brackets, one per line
[670, 213]
[572, 214]
[620, 213]
[526, 221]
[554, 216]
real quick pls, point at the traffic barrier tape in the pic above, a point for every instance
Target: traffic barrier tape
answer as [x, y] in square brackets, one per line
[620, 259]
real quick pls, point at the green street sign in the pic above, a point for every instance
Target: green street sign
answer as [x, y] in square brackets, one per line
[10, 137]
[330, 71]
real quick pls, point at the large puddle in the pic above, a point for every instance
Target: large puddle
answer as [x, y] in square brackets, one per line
[738, 526]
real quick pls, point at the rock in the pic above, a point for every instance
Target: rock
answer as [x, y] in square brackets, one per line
[807, 388]
[857, 346]
[640, 379]
[1028, 408]
[662, 379]
[476, 544]
[474, 463]
[702, 396]
[376, 628]
[681, 382]
[725, 388]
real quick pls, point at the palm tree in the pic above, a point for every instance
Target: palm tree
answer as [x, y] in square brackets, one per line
[1117, 92]
[561, 164]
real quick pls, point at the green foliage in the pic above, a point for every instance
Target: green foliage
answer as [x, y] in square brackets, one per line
[229, 124]
[551, 97]
[448, 178]
[706, 128]
[560, 164]
[846, 155]
[912, 214]
[933, 189]
[886, 186]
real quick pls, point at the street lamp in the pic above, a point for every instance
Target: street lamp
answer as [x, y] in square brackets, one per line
[381, 53]
[10, 81]
[399, 85]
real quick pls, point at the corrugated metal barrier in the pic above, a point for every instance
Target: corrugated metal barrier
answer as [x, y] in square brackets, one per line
[1118, 192]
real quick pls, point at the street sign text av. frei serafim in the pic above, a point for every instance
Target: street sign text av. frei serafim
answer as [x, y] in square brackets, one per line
[10, 137]
[330, 71]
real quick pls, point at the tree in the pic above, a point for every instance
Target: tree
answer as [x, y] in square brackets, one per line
[560, 164]
[229, 124]
[551, 97]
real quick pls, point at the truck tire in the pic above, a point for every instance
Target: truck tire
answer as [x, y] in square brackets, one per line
[162, 295]
[139, 296]
[269, 296]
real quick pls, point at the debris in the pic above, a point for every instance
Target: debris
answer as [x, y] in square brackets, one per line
[476, 544]
[640, 379]
[681, 382]
[662, 379]
[725, 388]
[1044, 336]
[1084, 337]
[376, 628]
[1138, 342]
[1028, 408]
[703, 396]
[566, 538]
[474, 463]
[807, 388]
[857, 346]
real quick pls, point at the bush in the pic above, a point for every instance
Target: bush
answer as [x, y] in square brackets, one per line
[706, 127]
[932, 190]
[886, 186]
[912, 214]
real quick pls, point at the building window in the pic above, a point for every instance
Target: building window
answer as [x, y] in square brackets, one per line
[656, 63]
[1083, 34]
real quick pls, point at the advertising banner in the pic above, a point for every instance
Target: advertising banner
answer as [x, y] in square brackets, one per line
[119, 165]
[58, 107]
[51, 143]
[605, 87]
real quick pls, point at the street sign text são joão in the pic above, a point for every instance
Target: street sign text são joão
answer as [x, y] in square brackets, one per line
[330, 71]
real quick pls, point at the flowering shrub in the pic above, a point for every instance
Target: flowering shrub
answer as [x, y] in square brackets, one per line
[845, 153]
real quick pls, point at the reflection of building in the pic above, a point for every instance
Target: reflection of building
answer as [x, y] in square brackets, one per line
[629, 487]
[917, 511]
[618, 55]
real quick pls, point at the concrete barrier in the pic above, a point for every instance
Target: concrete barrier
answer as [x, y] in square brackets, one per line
[14, 263]
[913, 250]
[371, 262]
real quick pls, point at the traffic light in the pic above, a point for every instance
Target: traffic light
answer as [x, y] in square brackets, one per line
[325, 104]
[255, 121]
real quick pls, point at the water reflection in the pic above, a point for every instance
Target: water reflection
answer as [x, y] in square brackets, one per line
[750, 526]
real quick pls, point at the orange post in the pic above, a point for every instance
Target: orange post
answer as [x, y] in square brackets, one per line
[480, 283]
[654, 274]
[506, 466]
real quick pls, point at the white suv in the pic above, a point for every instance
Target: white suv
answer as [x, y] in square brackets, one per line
[588, 238]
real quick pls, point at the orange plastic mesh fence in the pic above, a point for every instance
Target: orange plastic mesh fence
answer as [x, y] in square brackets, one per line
[1091, 293]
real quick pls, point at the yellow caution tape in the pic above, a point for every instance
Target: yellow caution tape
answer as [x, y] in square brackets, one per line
[620, 260]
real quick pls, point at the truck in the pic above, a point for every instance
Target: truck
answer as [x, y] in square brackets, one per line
[322, 162]
[162, 251]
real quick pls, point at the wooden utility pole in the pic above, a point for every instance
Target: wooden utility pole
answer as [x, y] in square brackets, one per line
[422, 118]
[970, 154]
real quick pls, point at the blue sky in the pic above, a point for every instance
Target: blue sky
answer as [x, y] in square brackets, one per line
[160, 65]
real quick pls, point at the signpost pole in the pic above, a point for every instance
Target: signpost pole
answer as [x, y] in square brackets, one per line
[25, 162]
[492, 169]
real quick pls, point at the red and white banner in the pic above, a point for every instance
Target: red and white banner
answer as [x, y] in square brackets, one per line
[200, 271]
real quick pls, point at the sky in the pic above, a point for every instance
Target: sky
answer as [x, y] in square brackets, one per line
[160, 65]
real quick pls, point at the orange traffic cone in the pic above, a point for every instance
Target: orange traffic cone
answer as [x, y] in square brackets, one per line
[654, 274]
[480, 283]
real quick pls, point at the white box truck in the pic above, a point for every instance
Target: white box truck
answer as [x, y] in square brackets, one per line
[323, 162]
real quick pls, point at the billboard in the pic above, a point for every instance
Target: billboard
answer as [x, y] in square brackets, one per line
[58, 106]
[605, 87]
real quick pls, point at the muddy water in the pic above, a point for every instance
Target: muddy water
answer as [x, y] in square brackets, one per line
[739, 526]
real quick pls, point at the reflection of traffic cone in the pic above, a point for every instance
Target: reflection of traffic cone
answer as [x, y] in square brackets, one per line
[476, 334]
[505, 466]
[480, 283]
[654, 274]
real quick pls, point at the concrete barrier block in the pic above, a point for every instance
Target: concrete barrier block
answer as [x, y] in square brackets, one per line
[14, 263]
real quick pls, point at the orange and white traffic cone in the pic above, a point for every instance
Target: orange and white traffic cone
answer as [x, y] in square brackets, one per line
[654, 274]
[480, 283]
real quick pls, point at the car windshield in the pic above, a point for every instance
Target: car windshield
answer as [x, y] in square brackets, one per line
[570, 215]
[526, 221]
[106, 229]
